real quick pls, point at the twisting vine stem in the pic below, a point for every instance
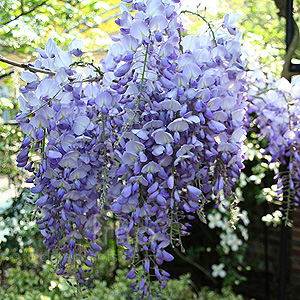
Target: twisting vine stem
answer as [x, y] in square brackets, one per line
[204, 19]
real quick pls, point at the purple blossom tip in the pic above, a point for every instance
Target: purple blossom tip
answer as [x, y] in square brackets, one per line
[122, 70]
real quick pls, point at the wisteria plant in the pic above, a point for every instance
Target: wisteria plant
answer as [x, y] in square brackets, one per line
[150, 137]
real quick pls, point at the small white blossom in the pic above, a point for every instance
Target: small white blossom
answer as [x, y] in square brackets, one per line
[218, 270]
[215, 220]
[244, 217]
[235, 243]
[244, 232]
[230, 240]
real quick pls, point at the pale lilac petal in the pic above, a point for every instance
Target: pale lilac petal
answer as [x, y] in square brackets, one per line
[78, 174]
[80, 124]
[54, 154]
[129, 158]
[139, 30]
[171, 105]
[158, 23]
[161, 137]
[158, 150]
[104, 99]
[129, 43]
[28, 76]
[134, 147]
[155, 8]
[151, 167]
[178, 125]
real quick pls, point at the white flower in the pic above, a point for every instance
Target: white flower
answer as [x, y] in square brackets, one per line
[230, 240]
[244, 217]
[224, 243]
[235, 242]
[226, 226]
[3, 232]
[244, 232]
[224, 206]
[218, 270]
[215, 220]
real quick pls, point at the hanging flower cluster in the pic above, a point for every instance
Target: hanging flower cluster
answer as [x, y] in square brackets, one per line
[151, 138]
[276, 104]
[60, 119]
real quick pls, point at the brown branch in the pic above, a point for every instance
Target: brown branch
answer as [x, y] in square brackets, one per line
[290, 53]
[24, 13]
[281, 5]
[6, 74]
[26, 66]
[12, 123]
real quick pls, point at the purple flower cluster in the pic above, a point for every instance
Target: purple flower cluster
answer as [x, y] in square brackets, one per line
[277, 106]
[59, 117]
[153, 141]
[181, 107]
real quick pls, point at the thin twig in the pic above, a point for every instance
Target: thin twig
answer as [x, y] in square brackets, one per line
[24, 13]
[9, 123]
[204, 19]
[195, 264]
[6, 74]
[89, 79]
[26, 66]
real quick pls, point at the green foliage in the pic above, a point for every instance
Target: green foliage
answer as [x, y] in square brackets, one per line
[262, 28]
[10, 139]
[263, 31]
[23, 241]
[177, 289]
[25, 25]
[32, 284]
[28, 285]
[226, 294]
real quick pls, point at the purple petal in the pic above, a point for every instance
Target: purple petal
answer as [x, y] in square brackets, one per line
[193, 190]
[42, 201]
[167, 256]
[80, 124]
[153, 188]
[131, 274]
[37, 189]
[54, 154]
[89, 263]
[161, 200]
[95, 247]
[126, 191]
[121, 71]
[147, 265]
[170, 182]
